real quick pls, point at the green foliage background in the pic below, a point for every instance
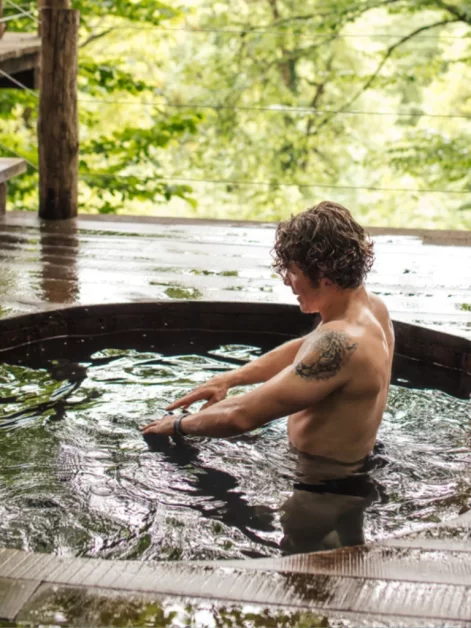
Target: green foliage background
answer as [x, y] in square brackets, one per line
[256, 109]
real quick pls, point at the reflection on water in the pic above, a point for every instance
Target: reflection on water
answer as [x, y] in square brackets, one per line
[59, 249]
[76, 477]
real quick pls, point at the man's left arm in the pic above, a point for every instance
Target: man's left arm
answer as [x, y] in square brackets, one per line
[324, 368]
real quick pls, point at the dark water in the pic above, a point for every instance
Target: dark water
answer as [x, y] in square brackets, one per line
[77, 479]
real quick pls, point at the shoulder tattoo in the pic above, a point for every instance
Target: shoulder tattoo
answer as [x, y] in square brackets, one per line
[328, 353]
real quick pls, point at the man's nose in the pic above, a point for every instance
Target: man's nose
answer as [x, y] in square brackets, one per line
[286, 280]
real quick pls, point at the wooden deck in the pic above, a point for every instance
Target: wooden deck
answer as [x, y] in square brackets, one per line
[423, 276]
[19, 56]
[419, 580]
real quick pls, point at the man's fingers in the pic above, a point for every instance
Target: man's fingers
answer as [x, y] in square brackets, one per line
[149, 429]
[176, 404]
[145, 427]
[187, 400]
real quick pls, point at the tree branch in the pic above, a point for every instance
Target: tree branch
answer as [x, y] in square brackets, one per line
[287, 68]
[318, 94]
[294, 55]
[274, 8]
[96, 36]
[462, 16]
[299, 18]
[356, 10]
[388, 53]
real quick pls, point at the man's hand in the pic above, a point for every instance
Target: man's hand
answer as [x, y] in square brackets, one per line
[160, 427]
[213, 391]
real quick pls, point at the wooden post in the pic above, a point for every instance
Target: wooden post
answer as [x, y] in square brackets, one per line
[58, 122]
[3, 198]
[41, 5]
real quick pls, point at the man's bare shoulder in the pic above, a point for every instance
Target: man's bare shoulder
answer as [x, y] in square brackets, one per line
[327, 351]
[379, 308]
[381, 314]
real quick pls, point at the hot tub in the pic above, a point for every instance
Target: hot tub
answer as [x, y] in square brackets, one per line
[78, 480]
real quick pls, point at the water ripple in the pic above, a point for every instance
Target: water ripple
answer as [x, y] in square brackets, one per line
[76, 477]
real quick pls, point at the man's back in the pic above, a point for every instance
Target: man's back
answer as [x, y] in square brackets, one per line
[343, 426]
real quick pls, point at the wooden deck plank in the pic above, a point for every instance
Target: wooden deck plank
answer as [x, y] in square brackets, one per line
[389, 582]
[14, 45]
[11, 168]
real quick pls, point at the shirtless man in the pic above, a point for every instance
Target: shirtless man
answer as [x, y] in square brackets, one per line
[333, 383]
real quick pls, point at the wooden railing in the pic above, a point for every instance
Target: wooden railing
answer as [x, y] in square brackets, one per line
[9, 168]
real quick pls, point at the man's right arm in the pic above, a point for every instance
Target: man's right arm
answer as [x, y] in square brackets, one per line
[260, 370]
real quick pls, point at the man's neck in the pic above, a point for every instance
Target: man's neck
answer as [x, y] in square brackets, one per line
[339, 302]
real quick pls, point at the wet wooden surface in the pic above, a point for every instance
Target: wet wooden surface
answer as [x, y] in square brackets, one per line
[390, 583]
[423, 277]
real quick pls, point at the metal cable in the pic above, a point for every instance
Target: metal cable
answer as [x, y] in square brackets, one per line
[22, 12]
[10, 150]
[273, 109]
[13, 80]
[280, 184]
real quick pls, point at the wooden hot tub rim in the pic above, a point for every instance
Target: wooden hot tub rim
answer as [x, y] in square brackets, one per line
[421, 344]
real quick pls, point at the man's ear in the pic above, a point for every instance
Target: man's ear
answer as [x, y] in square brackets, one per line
[325, 283]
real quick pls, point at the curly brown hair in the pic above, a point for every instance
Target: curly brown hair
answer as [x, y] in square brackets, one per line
[325, 241]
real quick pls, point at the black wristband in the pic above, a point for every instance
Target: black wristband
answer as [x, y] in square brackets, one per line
[177, 429]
